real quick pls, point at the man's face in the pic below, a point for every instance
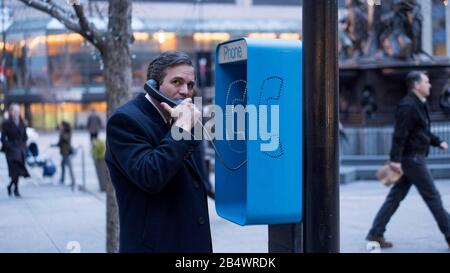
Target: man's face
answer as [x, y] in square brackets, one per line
[179, 82]
[423, 87]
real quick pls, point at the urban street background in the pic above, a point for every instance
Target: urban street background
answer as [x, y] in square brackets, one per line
[52, 218]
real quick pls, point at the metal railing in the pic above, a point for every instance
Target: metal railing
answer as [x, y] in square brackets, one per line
[81, 187]
[378, 140]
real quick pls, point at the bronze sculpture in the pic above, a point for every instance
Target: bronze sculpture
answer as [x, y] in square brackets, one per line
[378, 46]
[395, 30]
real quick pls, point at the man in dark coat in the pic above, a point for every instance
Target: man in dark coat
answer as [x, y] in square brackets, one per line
[94, 124]
[159, 180]
[410, 146]
[14, 138]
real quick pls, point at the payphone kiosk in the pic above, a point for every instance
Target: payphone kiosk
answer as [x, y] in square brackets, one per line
[259, 88]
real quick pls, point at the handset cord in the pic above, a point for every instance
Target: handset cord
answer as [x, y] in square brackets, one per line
[218, 153]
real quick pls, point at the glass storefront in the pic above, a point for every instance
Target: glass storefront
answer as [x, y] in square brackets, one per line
[50, 72]
[46, 116]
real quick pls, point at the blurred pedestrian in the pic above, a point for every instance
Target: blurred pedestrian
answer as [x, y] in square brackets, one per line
[444, 99]
[66, 151]
[14, 138]
[410, 146]
[94, 124]
[368, 105]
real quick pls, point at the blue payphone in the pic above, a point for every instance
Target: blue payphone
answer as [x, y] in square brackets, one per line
[260, 181]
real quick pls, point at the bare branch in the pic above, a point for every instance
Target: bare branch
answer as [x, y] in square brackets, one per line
[56, 12]
[99, 12]
[70, 20]
[92, 33]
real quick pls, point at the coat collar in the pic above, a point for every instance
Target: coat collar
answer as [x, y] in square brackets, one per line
[416, 99]
[149, 109]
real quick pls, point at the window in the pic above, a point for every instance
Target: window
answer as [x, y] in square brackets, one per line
[189, 1]
[36, 62]
[341, 3]
[16, 61]
[278, 2]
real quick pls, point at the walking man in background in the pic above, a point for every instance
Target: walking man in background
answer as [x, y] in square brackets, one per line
[94, 124]
[410, 146]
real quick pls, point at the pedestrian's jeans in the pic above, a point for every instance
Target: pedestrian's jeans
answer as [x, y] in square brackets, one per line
[415, 172]
[67, 161]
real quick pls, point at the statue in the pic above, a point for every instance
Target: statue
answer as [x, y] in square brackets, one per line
[395, 30]
[354, 26]
[402, 34]
[378, 46]
[368, 104]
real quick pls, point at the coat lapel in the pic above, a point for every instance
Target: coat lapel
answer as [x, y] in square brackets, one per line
[150, 109]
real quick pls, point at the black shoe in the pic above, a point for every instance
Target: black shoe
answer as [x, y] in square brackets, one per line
[17, 194]
[9, 190]
[379, 239]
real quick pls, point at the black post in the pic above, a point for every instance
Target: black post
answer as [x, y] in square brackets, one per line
[285, 238]
[321, 143]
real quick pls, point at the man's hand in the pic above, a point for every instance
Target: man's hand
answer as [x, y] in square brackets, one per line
[185, 114]
[444, 145]
[396, 166]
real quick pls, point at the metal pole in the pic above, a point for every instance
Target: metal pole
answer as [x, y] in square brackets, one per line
[84, 168]
[83, 171]
[285, 238]
[321, 146]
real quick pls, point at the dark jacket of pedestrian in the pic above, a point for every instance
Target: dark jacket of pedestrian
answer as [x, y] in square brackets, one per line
[66, 151]
[412, 135]
[94, 123]
[411, 140]
[161, 197]
[14, 138]
[64, 142]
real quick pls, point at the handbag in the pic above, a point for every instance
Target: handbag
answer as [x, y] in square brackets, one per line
[387, 175]
[72, 150]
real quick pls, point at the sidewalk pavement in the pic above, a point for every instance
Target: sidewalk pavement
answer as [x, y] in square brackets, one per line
[412, 228]
[52, 218]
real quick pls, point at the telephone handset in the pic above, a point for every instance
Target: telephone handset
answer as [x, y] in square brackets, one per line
[151, 87]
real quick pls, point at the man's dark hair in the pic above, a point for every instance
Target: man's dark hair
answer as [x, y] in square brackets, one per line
[413, 77]
[157, 68]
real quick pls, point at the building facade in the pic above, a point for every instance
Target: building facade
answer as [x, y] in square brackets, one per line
[56, 75]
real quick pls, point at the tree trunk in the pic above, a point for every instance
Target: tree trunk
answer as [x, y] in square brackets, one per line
[114, 46]
[117, 64]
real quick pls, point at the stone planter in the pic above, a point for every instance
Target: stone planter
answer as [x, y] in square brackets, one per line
[102, 173]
